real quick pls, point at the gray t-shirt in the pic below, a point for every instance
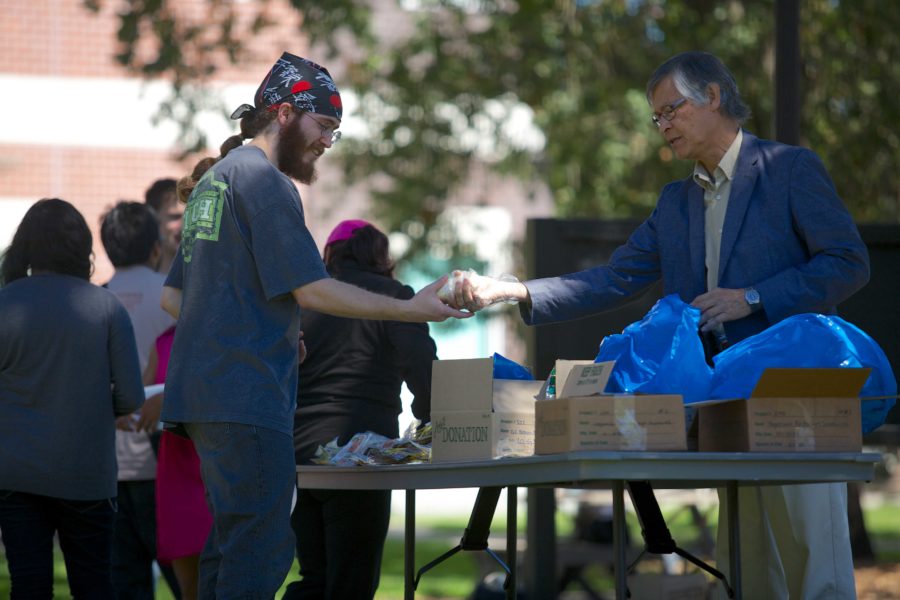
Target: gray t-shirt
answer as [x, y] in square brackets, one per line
[138, 288]
[244, 248]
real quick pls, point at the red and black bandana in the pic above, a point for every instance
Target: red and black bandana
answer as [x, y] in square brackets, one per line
[301, 82]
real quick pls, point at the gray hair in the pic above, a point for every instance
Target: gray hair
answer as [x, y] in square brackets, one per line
[692, 73]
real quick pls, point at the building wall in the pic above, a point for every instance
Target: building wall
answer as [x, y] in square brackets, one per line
[79, 127]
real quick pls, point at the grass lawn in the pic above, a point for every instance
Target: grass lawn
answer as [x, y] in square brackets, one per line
[457, 577]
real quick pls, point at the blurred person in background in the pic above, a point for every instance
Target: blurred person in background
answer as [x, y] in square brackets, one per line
[349, 383]
[68, 367]
[183, 520]
[162, 197]
[130, 235]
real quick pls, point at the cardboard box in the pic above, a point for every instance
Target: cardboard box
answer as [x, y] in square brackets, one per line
[477, 417]
[582, 417]
[789, 410]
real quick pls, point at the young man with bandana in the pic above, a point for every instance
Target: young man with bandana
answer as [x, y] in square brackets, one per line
[245, 263]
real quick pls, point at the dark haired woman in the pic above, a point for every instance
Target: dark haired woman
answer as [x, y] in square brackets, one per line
[68, 367]
[350, 382]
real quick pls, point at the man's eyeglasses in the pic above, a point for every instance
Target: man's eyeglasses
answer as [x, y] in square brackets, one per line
[668, 113]
[328, 132]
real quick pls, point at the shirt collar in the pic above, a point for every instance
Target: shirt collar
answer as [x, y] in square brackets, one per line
[725, 168]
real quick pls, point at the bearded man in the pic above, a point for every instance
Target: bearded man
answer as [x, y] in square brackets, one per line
[245, 263]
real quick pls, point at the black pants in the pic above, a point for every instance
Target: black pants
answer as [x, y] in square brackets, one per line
[340, 542]
[28, 523]
[134, 543]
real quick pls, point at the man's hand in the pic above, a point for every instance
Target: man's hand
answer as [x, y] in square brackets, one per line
[427, 304]
[474, 292]
[719, 306]
[148, 416]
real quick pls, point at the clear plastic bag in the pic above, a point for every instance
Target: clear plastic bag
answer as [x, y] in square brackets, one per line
[368, 448]
[447, 293]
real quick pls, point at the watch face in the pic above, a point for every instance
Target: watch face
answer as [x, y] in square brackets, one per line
[751, 296]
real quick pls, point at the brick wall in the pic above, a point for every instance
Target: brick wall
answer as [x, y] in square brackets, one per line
[62, 39]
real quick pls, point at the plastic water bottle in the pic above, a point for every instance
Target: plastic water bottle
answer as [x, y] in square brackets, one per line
[551, 384]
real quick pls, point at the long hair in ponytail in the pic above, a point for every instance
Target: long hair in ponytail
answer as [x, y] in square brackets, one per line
[253, 123]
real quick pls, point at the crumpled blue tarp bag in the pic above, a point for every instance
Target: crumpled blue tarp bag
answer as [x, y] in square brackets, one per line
[660, 354]
[807, 340]
[505, 368]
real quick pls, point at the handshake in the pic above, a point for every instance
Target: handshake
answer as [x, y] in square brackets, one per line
[473, 292]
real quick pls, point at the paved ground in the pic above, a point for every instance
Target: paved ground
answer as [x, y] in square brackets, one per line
[878, 582]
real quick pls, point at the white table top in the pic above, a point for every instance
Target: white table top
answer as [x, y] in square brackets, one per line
[599, 469]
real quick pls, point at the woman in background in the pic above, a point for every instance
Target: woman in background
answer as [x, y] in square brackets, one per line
[68, 367]
[349, 383]
[183, 520]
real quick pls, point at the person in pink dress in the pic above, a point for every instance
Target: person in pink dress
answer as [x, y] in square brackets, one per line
[183, 520]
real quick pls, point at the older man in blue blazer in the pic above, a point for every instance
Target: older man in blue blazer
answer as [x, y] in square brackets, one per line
[756, 234]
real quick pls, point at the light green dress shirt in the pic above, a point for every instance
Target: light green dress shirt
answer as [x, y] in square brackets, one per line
[716, 190]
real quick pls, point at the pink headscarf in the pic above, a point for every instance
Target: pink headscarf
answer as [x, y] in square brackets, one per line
[344, 230]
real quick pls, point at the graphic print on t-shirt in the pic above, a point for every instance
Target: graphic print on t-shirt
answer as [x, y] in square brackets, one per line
[203, 214]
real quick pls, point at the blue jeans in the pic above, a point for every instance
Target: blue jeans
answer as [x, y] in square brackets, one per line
[249, 474]
[340, 542]
[28, 523]
[134, 543]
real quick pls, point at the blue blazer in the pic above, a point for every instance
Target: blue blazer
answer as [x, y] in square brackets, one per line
[786, 233]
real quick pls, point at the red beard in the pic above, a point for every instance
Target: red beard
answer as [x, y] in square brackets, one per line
[293, 145]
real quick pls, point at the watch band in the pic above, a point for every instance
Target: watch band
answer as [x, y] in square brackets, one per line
[751, 297]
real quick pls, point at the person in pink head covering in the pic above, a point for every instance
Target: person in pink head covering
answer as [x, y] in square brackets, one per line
[350, 383]
[183, 520]
[344, 231]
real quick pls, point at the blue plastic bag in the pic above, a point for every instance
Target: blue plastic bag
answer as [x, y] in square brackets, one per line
[807, 340]
[509, 369]
[660, 354]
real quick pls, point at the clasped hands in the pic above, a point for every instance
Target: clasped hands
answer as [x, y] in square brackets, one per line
[467, 290]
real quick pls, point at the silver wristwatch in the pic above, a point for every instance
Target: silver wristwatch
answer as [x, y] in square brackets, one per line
[751, 296]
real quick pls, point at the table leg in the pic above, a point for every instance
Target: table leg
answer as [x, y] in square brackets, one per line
[734, 538]
[512, 538]
[539, 575]
[618, 491]
[409, 547]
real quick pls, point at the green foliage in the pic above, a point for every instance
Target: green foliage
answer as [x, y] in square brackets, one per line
[324, 20]
[851, 109]
[440, 95]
